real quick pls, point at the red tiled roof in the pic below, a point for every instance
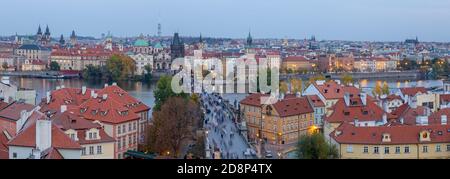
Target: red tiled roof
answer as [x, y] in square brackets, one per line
[12, 112]
[27, 138]
[51, 153]
[253, 99]
[435, 118]
[332, 90]
[444, 98]
[121, 95]
[356, 111]
[109, 111]
[316, 101]
[413, 91]
[296, 59]
[293, 107]
[393, 97]
[3, 146]
[399, 134]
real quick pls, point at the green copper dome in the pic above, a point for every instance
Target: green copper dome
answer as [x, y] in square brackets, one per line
[141, 43]
[158, 45]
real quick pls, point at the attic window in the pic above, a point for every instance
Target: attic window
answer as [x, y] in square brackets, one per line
[83, 110]
[94, 112]
[347, 113]
[365, 112]
[439, 132]
[338, 90]
[326, 91]
[103, 113]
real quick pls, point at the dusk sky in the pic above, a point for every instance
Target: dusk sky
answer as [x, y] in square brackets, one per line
[374, 20]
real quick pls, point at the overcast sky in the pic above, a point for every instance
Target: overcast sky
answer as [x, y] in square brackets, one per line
[374, 20]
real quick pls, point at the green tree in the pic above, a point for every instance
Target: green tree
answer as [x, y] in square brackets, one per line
[164, 91]
[4, 65]
[54, 66]
[347, 79]
[92, 72]
[385, 88]
[283, 87]
[314, 146]
[147, 73]
[120, 67]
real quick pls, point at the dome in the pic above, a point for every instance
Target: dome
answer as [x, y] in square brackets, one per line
[158, 45]
[141, 43]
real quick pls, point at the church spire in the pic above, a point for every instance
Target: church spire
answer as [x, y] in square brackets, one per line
[39, 30]
[249, 40]
[47, 31]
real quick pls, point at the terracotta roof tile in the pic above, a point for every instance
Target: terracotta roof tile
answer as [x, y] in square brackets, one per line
[293, 107]
[413, 91]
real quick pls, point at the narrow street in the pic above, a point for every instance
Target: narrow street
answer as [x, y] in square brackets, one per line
[222, 133]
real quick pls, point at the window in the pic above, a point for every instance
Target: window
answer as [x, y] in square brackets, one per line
[376, 150]
[406, 149]
[134, 139]
[349, 149]
[386, 150]
[129, 140]
[99, 149]
[14, 155]
[95, 135]
[119, 144]
[91, 150]
[90, 135]
[425, 149]
[438, 148]
[397, 150]
[118, 130]
[366, 149]
[83, 151]
[124, 128]
[124, 142]
[72, 136]
[119, 156]
[129, 126]
[448, 148]
[134, 126]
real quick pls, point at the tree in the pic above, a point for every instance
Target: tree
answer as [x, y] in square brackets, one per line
[54, 66]
[164, 91]
[147, 73]
[4, 65]
[198, 151]
[385, 89]
[175, 123]
[296, 85]
[283, 87]
[92, 72]
[120, 67]
[314, 79]
[347, 79]
[377, 91]
[314, 146]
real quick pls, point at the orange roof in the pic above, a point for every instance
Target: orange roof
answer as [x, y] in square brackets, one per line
[27, 138]
[51, 153]
[399, 134]
[332, 90]
[413, 91]
[293, 107]
[316, 101]
[296, 59]
[253, 99]
[444, 98]
[355, 111]
[3, 146]
[12, 111]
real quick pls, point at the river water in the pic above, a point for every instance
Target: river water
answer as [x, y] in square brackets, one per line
[144, 92]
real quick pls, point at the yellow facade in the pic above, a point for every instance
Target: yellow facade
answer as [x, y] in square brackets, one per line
[403, 151]
[105, 151]
[430, 100]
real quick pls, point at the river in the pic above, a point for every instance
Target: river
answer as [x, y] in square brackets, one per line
[144, 92]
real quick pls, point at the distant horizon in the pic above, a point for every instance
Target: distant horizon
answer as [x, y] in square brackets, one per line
[346, 20]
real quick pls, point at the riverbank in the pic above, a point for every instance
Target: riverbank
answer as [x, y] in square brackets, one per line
[41, 74]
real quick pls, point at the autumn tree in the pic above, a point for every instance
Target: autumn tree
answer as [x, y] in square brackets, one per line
[120, 67]
[283, 87]
[347, 79]
[314, 79]
[4, 65]
[296, 85]
[314, 146]
[377, 91]
[175, 123]
[385, 88]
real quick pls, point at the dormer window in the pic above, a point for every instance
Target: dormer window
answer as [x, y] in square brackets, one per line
[94, 112]
[83, 110]
[425, 136]
[347, 113]
[386, 137]
[103, 113]
[365, 112]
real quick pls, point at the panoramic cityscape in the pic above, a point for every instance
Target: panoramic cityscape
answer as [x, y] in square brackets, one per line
[71, 94]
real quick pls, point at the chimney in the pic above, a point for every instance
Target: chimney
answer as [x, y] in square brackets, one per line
[402, 120]
[347, 99]
[444, 119]
[412, 103]
[58, 87]
[95, 95]
[83, 90]
[298, 95]
[105, 96]
[63, 108]
[364, 98]
[106, 85]
[22, 120]
[92, 93]
[43, 134]
[62, 86]
[48, 97]
[338, 82]
[384, 118]
[114, 84]
[385, 106]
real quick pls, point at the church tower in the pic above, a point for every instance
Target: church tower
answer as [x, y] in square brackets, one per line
[62, 42]
[177, 47]
[46, 38]
[73, 38]
[39, 35]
